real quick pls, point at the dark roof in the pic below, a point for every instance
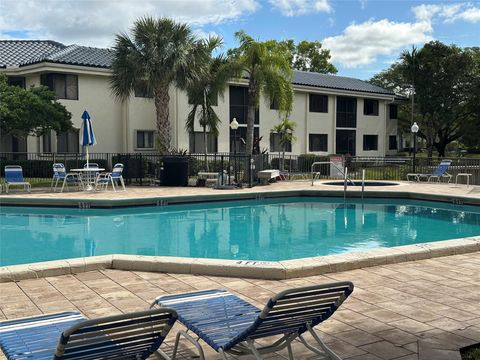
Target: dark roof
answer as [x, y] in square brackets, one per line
[78, 55]
[16, 52]
[27, 52]
[336, 82]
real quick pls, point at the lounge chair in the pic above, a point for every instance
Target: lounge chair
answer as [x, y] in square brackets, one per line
[439, 173]
[14, 177]
[69, 335]
[231, 325]
[103, 179]
[61, 175]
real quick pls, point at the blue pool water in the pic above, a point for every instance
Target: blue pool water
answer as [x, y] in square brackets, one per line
[273, 229]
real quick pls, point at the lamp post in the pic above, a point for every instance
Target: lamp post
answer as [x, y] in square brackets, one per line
[234, 127]
[414, 129]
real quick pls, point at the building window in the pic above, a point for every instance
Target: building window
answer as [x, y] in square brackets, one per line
[370, 142]
[197, 143]
[238, 140]
[274, 105]
[68, 142]
[318, 142]
[47, 143]
[239, 105]
[65, 86]
[145, 139]
[393, 111]
[276, 146]
[370, 107]
[318, 103]
[141, 90]
[346, 112]
[16, 81]
[392, 142]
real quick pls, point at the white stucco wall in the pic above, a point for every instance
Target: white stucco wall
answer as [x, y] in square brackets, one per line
[116, 123]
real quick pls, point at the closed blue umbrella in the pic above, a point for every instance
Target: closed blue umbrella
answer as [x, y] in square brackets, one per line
[88, 137]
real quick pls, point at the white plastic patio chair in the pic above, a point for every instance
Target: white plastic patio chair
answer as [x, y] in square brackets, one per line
[103, 179]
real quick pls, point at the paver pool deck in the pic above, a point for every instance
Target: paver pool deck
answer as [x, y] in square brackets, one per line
[424, 309]
[394, 312]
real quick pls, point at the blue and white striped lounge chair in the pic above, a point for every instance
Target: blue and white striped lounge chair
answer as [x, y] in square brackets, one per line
[61, 175]
[439, 173]
[231, 325]
[14, 177]
[70, 335]
[103, 179]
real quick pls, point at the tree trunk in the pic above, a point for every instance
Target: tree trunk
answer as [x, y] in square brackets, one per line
[441, 146]
[205, 146]
[251, 108]
[162, 99]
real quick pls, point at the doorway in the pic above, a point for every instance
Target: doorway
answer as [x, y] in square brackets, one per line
[345, 142]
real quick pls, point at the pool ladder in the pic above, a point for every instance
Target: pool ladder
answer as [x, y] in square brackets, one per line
[344, 172]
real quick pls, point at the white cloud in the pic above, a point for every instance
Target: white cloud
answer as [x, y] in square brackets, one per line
[94, 23]
[301, 7]
[361, 44]
[448, 13]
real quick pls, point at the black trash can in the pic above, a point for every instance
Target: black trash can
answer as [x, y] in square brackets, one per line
[175, 171]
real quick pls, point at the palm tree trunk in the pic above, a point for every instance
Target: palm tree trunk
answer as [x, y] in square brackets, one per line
[162, 99]
[251, 108]
[205, 137]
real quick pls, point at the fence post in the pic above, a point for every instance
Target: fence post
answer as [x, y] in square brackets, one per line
[141, 169]
[221, 171]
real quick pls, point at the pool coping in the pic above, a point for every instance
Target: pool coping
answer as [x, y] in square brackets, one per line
[164, 200]
[268, 270]
[272, 270]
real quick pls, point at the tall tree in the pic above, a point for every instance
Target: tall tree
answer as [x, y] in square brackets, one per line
[305, 55]
[285, 130]
[443, 78]
[34, 111]
[269, 73]
[160, 53]
[203, 94]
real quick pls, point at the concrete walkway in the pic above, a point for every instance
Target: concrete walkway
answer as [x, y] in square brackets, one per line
[395, 311]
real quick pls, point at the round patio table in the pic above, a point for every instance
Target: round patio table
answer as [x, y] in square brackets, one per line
[88, 175]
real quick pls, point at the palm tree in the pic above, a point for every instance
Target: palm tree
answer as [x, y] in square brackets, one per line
[203, 93]
[269, 73]
[409, 67]
[285, 130]
[160, 53]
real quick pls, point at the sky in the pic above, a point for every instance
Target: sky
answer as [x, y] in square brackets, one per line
[363, 36]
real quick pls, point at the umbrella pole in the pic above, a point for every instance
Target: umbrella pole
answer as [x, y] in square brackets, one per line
[89, 175]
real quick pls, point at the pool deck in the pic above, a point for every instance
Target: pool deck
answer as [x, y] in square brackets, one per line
[421, 310]
[149, 195]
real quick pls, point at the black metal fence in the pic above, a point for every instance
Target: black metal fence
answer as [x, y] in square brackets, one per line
[146, 168]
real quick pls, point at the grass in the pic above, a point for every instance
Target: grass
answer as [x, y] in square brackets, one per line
[471, 352]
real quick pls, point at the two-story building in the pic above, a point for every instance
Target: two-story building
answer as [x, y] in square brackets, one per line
[333, 114]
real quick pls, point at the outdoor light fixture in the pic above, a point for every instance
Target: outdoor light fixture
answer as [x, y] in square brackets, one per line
[414, 130]
[234, 127]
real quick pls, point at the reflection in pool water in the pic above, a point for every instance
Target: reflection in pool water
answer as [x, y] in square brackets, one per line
[274, 229]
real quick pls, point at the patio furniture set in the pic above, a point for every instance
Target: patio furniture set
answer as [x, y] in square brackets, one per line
[224, 321]
[90, 177]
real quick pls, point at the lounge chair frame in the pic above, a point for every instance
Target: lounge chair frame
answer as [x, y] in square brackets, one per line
[438, 174]
[16, 168]
[298, 310]
[133, 336]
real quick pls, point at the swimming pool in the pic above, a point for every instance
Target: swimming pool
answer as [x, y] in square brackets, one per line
[270, 229]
